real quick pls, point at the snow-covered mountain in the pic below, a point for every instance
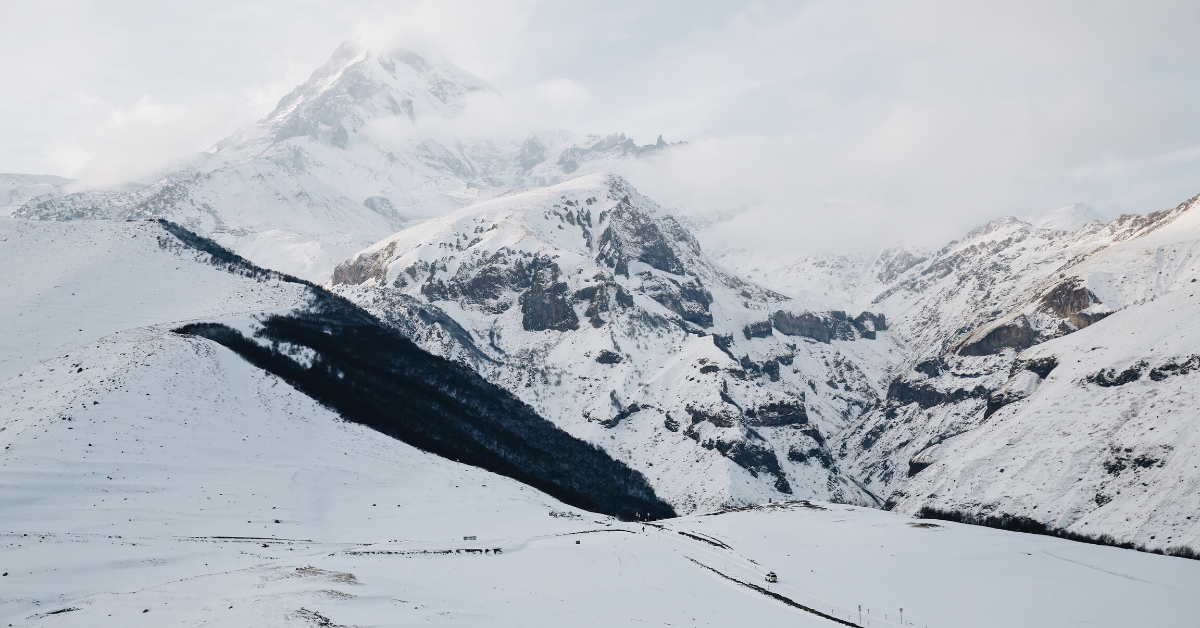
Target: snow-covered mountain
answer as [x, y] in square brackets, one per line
[363, 148]
[599, 310]
[154, 476]
[18, 189]
[1035, 374]
[967, 425]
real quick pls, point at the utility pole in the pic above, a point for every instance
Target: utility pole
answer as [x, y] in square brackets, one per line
[860, 614]
[902, 617]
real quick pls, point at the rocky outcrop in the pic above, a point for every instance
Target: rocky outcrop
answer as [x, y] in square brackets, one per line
[761, 329]
[368, 267]
[1110, 377]
[868, 323]
[752, 458]
[689, 300]
[545, 306]
[903, 393]
[633, 235]
[777, 415]
[608, 357]
[1018, 334]
[1041, 366]
[1070, 300]
[835, 326]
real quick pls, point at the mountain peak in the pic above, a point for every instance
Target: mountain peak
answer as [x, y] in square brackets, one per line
[358, 85]
[1069, 218]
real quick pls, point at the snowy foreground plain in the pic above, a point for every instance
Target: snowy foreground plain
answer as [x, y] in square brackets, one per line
[151, 479]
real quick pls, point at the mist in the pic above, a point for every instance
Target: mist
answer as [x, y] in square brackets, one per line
[813, 126]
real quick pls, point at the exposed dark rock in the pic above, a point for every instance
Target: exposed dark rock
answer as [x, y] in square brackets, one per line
[622, 415]
[777, 414]
[904, 393]
[815, 434]
[547, 308]
[623, 298]
[1040, 366]
[608, 357]
[365, 267]
[835, 326]
[724, 343]
[760, 329]
[915, 467]
[749, 365]
[816, 454]
[998, 400]
[633, 235]
[596, 298]
[1018, 334]
[872, 436]
[932, 367]
[722, 417]
[771, 369]
[709, 368]
[1068, 300]
[752, 458]
[688, 299]
[867, 324]
[1109, 377]
[1171, 368]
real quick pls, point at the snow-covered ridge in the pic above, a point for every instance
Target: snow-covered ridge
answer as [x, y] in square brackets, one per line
[18, 189]
[980, 315]
[355, 153]
[599, 310]
[147, 476]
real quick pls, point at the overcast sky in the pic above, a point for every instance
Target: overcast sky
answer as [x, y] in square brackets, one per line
[834, 123]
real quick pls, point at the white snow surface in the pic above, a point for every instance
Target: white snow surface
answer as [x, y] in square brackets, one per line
[1117, 460]
[675, 402]
[145, 490]
[69, 283]
[148, 478]
[18, 189]
[1072, 217]
[361, 149]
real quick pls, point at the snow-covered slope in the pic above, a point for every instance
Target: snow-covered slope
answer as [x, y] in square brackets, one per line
[974, 318]
[361, 149]
[69, 283]
[185, 486]
[149, 477]
[1105, 443]
[1072, 217]
[18, 189]
[976, 315]
[600, 311]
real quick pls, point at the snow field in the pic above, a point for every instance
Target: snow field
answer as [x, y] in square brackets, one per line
[371, 530]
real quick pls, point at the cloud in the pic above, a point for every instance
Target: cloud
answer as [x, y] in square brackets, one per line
[847, 125]
[560, 93]
[821, 124]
